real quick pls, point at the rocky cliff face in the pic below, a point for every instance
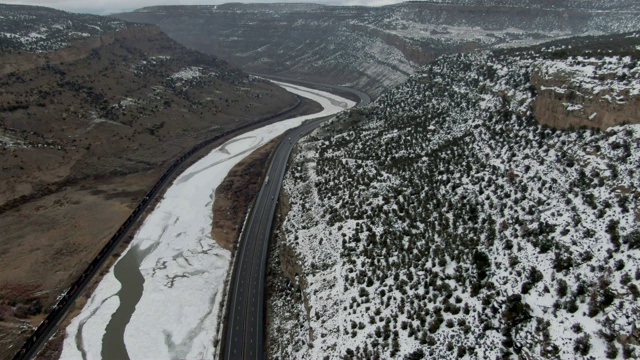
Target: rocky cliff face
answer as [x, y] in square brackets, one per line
[594, 101]
[374, 48]
[550, 4]
[589, 82]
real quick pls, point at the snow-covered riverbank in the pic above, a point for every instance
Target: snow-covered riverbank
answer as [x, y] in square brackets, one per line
[182, 266]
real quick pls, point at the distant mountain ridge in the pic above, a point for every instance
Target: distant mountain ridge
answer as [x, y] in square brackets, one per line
[375, 49]
[40, 29]
[622, 5]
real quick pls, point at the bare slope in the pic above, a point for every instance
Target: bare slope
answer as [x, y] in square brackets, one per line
[374, 49]
[92, 110]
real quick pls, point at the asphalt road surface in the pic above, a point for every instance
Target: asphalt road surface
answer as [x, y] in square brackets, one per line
[244, 334]
[49, 325]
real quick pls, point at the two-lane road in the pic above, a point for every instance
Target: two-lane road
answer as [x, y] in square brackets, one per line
[244, 336]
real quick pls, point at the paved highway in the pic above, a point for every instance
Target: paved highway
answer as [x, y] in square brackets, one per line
[48, 326]
[244, 334]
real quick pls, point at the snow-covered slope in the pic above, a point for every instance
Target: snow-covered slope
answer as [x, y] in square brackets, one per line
[444, 221]
[375, 49]
[40, 29]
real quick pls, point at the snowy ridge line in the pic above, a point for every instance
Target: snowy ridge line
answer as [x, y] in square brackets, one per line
[46, 328]
[481, 233]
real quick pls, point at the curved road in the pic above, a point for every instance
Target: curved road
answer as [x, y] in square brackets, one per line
[244, 331]
[49, 325]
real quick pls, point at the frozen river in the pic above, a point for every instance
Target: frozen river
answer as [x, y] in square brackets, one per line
[162, 298]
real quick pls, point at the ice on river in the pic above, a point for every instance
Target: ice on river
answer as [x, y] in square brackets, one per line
[182, 266]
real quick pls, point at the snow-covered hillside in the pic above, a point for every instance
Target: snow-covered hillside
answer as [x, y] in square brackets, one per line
[444, 222]
[40, 29]
[376, 48]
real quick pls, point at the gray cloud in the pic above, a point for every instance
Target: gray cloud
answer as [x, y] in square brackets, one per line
[113, 6]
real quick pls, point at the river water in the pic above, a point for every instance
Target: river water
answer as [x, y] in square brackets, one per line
[127, 272]
[162, 298]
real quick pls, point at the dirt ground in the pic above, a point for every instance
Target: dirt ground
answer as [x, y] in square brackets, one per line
[80, 218]
[53, 347]
[86, 141]
[236, 192]
[83, 138]
[239, 188]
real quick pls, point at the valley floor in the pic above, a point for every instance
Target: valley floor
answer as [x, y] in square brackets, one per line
[164, 295]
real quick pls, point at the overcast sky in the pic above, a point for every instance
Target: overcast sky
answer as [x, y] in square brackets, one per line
[113, 6]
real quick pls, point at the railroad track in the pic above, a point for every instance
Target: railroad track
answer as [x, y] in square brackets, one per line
[47, 327]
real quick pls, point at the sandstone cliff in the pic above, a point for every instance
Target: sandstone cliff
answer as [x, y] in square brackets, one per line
[594, 93]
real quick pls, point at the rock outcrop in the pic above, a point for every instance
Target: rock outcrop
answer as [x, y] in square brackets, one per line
[589, 93]
[374, 49]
